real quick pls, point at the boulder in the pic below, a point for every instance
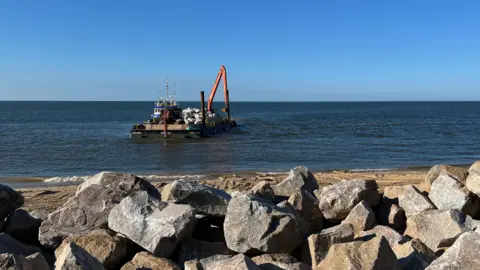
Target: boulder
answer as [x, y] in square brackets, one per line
[475, 168]
[238, 262]
[204, 199]
[392, 236]
[109, 249]
[9, 244]
[336, 201]
[414, 255]
[448, 193]
[19, 262]
[393, 192]
[255, 225]
[279, 261]
[456, 172]
[471, 223]
[73, 257]
[41, 214]
[316, 247]
[390, 214]
[263, 189]
[9, 201]
[361, 217]
[154, 225]
[145, 260]
[190, 249]
[437, 229]
[89, 208]
[463, 254]
[23, 227]
[473, 183]
[372, 254]
[414, 202]
[298, 178]
[307, 206]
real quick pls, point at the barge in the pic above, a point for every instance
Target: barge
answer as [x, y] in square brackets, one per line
[170, 121]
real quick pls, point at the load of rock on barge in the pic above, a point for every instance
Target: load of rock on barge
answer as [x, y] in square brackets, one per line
[169, 121]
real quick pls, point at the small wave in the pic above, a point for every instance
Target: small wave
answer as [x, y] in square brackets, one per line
[65, 179]
[152, 178]
[372, 170]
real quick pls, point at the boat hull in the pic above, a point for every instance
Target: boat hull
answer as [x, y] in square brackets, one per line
[181, 132]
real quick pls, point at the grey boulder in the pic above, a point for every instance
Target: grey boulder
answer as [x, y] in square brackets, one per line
[10, 245]
[372, 254]
[73, 257]
[316, 247]
[473, 183]
[457, 172]
[154, 225]
[146, 261]
[89, 208]
[298, 178]
[255, 225]
[263, 189]
[361, 217]
[414, 255]
[23, 227]
[238, 262]
[9, 201]
[18, 262]
[447, 192]
[392, 236]
[463, 254]
[390, 214]
[336, 201]
[414, 202]
[437, 229]
[206, 200]
[307, 206]
[279, 261]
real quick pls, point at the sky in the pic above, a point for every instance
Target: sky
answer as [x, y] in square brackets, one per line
[272, 50]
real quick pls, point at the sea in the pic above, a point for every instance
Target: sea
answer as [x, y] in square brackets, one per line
[68, 140]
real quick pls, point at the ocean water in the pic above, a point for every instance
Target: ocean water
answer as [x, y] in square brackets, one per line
[47, 139]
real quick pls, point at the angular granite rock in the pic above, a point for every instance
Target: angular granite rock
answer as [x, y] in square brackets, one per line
[89, 208]
[9, 201]
[316, 247]
[73, 257]
[475, 168]
[414, 255]
[390, 214]
[255, 225]
[298, 178]
[19, 262]
[392, 236]
[473, 183]
[448, 193]
[145, 260]
[206, 200]
[279, 261]
[190, 249]
[154, 225]
[102, 244]
[307, 206]
[463, 254]
[437, 229]
[337, 200]
[414, 202]
[457, 172]
[263, 189]
[41, 214]
[361, 217]
[238, 262]
[23, 227]
[374, 254]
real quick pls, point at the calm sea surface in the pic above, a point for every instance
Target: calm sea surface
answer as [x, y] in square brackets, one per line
[83, 138]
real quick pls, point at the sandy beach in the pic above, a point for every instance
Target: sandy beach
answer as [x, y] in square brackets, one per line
[50, 198]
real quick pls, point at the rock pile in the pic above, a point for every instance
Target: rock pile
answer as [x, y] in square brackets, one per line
[120, 221]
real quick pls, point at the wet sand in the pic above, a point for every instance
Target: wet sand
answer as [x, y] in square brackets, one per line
[51, 198]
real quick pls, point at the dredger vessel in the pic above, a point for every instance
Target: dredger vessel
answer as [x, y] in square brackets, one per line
[170, 121]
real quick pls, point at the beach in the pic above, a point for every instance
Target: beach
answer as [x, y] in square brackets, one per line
[49, 198]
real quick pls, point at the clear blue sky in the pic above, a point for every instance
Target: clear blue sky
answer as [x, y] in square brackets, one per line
[273, 50]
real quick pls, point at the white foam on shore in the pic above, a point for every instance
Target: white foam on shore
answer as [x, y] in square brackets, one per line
[372, 170]
[152, 178]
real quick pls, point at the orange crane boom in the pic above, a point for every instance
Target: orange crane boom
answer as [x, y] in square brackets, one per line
[221, 73]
